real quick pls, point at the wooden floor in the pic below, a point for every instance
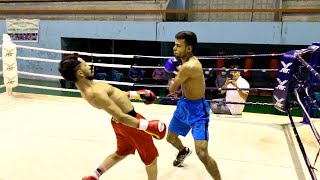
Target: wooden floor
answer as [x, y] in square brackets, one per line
[46, 137]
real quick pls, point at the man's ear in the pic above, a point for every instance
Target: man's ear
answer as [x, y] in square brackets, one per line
[189, 49]
[79, 73]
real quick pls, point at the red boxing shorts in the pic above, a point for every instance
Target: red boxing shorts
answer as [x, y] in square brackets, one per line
[130, 139]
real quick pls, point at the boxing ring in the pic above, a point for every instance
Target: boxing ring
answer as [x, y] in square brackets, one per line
[54, 137]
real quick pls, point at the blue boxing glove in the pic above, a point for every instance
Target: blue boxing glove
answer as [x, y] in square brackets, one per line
[172, 65]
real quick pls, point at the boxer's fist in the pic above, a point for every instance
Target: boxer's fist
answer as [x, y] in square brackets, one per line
[155, 128]
[172, 65]
[148, 96]
[170, 84]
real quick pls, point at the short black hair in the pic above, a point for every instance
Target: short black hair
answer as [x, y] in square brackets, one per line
[189, 37]
[68, 66]
[234, 66]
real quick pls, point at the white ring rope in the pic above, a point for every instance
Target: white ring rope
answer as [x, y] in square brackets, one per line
[59, 77]
[141, 56]
[40, 75]
[38, 59]
[52, 88]
[80, 53]
[46, 87]
[129, 66]
[95, 64]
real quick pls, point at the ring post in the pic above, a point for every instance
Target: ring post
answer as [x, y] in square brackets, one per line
[9, 60]
[314, 62]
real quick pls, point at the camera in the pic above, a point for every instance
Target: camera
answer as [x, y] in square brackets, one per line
[230, 76]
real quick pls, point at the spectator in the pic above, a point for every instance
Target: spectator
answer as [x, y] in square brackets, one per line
[135, 75]
[99, 72]
[210, 83]
[220, 81]
[233, 81]
[221, 78]
[158, 77]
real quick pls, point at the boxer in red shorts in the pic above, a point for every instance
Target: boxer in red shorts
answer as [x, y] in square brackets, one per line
[129, 140]
[133, 131]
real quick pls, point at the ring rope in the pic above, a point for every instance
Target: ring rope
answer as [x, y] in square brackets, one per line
[80, 53]
[48, 88]
[245, 89]
[129, 66]
[240, 56]
[60, 77]
[41, 75]
[225, 102]
[140, 84]
[244, 70]
[38, 59]
[142, 56]
[314, 130]
[89, 63]
[245, 103]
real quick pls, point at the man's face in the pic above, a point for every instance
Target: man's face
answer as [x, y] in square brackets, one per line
[86, 70]
[180, 49]
[235, 74]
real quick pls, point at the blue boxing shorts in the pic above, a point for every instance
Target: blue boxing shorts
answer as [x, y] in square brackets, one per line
[191, 114]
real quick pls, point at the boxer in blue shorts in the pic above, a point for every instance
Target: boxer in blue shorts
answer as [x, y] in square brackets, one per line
[191, 114]
[193, 110]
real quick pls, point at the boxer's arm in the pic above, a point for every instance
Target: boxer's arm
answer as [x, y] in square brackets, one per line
[102, 101]
[182, 76]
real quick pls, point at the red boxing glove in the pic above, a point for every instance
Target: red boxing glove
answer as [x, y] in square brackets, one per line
[92, 177]
[155, 128]
[148, 96]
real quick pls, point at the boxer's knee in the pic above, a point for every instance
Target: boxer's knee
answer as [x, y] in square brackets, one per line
[171, 137]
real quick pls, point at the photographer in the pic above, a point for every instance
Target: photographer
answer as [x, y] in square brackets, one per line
[233, 81]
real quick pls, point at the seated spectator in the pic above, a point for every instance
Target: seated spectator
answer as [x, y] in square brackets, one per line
[210, 83]
[135, 75]
[221, 78]
[158, 75]
[99, 72]
[233, 81]
[220, 81]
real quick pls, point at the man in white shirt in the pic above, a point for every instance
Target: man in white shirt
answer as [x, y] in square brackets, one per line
[234, 81]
